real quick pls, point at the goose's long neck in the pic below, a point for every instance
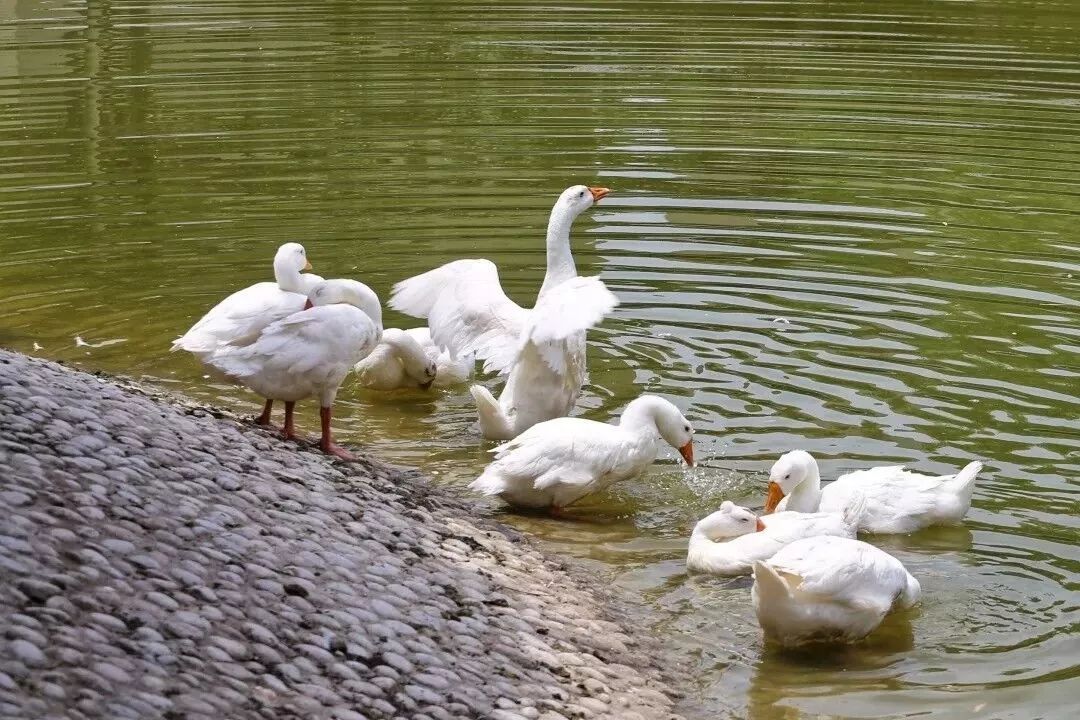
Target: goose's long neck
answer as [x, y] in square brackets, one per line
[560, 263]
[807, 495]
[287, 277]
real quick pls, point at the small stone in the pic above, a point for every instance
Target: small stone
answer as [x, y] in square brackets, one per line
[26, 652]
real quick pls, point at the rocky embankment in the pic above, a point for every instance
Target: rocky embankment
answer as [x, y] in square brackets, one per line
[162, 561]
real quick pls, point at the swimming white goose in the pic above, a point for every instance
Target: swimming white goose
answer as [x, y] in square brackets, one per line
[725, 542]
[238, 319]
[542, 350]
[309, 352]
[557, 462]
[897, 501]
[829, 589]
[409, 358]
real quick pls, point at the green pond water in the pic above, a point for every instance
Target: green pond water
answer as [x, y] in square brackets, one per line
[851, 227]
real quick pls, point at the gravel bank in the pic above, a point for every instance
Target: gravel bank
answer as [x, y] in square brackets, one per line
[162, 561]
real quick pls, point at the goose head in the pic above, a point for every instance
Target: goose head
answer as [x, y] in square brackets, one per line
[729, 521]
[576, 199]
[418, 367]
[668, 420]
[289, 260]
[349, 292]
[789, 472]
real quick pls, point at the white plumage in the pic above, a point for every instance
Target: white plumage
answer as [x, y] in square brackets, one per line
[896, 500]
[410, 358]
[732, 539]
[829, 589]
[557, 462]
[238, 319]
[542, 350]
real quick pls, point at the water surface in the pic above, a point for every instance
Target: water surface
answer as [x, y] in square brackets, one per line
[843, 226]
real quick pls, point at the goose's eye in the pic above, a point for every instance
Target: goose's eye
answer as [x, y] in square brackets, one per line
[787, 476]
[686, 428]
[581, 193]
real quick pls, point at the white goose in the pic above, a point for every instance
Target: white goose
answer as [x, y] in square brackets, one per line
[238, 319]
[557, 462]
[309, 352]
[409, 358]
[897, 501]
[542, 350]
[732, 539]
[829, 589]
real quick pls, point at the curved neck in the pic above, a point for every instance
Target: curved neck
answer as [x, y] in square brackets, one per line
[407, 350]
[287, 277]
[807, 495]
[640, 415]
[560, 263]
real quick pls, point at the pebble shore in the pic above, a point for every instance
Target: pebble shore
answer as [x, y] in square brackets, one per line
[160, 560]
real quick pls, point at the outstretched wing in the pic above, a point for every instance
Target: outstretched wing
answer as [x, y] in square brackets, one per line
[467, 311]
[570, 308]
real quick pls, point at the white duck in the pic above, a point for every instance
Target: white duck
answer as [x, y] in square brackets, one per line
[409, 358]
[725, 542]
[309, 352]
[829, 589]
[897, 501]
[238, 319]
[542, 350]
[557, 462]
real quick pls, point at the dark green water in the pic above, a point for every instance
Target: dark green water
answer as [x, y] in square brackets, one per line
[850, 227]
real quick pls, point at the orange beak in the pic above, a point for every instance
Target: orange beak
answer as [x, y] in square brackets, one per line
[774, 498]
[760, 526]
[599, 193]
[307, 264]
[307, 304]
[687, 452]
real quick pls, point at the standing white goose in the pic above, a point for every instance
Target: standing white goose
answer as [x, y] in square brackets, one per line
[732, 539]
[897, 501]
[409, 358]
[309, 352]
[557, 462]
[542, 350]
[829, 589]
[238, 319]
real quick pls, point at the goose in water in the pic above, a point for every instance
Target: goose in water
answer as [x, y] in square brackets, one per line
[309, 352]
[409, 358]
[896, 500]
[238, 319]
[542, 350]
[828, 589]
[558, 462]
[732, 539]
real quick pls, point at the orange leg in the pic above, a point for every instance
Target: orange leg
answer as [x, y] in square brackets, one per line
[264, 419]
[289, 432]
[326, 443]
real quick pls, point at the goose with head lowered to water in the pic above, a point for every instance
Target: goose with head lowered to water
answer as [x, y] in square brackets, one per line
[309, 352]
[540, 351]
[410, 359]
[558, 462]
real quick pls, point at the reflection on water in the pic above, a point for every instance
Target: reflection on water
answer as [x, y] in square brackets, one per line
[845, 228]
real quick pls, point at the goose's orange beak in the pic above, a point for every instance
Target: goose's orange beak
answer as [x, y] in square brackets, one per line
[760, 526]
[599, 193]
[307, 264]
[774, 498]
[687, 452]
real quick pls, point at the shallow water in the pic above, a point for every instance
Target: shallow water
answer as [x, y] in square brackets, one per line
[848, 227]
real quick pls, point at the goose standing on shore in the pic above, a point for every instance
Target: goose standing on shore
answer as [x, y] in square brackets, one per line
[542, 350]
[829, 589]
[238, 319]
[896, 500]
[309, 352]
[409, 359]
[558, 462]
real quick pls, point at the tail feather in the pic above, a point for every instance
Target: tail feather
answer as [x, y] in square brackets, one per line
[855, 509]
[963, 483]
[770, 588]
[489, 483]
[493, 422]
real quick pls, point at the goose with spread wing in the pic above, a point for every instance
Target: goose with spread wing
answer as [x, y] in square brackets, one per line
[541, 351]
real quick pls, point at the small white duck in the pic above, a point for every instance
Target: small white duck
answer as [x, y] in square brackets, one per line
[829, 589]
[897, 501]
[557, 462]
[730, 540]
[238, 319]
[309, 352]
[409, 358]
[542, 350]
